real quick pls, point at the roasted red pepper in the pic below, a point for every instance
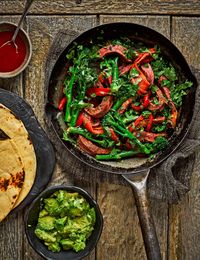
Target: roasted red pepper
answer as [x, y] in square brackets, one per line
[88, 124]
[161, 100]
[114, 49]
[100, 92]
[124, 69]
[150, 123]
[143, 105]
[174, 113]
[90, 148]
[79, 120]
[125, 105]
[62, 103]
[101, 109]
[159, 119]
[113, 136]
[145, 57]
[143, 82]
[146, 136]
[136, 123]
[147, 69]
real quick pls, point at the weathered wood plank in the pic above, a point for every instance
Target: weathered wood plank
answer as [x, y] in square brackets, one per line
[184, 228]
[42, 31]
[191, 7]
[158, 23]
[186, 36]
[121, 238]
[11, 236]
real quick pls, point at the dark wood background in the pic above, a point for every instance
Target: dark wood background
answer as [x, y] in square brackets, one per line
[178, 226]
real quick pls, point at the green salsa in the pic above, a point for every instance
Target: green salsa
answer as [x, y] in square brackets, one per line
[65, 222]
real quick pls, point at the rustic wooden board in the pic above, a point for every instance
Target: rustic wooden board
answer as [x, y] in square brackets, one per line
[42, 30]
[122, 237]
[184, 221]
[11, 238]
[104, 7]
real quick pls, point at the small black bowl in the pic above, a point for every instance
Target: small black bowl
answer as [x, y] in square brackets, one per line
[31, 219]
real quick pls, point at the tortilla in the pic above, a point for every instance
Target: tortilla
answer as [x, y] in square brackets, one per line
[15, 129]
[11, 176]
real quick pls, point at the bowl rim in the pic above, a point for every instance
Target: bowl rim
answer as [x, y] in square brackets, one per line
[85, 194]
[17, 71]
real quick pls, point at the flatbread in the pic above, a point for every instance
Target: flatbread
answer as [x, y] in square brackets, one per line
[11, 176]
[16, 130]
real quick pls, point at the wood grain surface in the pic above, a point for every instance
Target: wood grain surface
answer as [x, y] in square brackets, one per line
[178, 225]
[176, 7]
[184, 220]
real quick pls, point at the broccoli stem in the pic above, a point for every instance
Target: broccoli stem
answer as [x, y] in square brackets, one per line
[125, 132]
[69, 95]
[77, 130]
[115, 75]
[117, 156]
[74, 116]
[119, 103]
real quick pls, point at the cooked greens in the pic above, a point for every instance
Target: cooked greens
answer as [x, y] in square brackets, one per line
[122, 99]
[65, 222]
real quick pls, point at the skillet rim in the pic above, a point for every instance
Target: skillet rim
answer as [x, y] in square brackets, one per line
[102, 166]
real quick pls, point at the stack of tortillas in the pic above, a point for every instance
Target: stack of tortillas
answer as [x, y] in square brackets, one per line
[17, 162]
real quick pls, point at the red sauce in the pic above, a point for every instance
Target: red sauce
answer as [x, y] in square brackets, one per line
[10, 58]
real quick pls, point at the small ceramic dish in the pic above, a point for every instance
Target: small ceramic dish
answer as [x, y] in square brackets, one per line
[10, 27]
[31, 219]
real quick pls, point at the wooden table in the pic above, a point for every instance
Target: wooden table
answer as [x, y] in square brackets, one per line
[178, 226]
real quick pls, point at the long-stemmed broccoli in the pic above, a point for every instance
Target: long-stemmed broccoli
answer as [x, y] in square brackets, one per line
[117, 124]
[104, 141]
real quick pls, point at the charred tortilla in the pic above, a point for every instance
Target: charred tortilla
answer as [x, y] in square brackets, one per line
[11, 176]
[14, 128]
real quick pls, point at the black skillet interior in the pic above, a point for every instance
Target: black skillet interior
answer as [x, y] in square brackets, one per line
[150, 38]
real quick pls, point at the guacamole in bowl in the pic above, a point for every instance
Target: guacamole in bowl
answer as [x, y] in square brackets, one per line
[63, 222]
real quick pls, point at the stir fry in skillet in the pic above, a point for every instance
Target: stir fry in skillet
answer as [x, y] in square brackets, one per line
[120, 99]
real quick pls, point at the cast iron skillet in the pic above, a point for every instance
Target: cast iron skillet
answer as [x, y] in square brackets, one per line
[135, 171]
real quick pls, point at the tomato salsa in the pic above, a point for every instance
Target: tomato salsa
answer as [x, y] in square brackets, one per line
[10, 58]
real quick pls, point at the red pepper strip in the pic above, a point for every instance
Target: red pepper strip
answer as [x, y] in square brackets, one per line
[145, 57]
[125, 105]
[102, 108]
[148, 73]
[109, 80]
[124, 69]
[143, 105]
[147, 136]
[146, 101]
[100, 92]
[87, 122]
[62, 103]
[159, 119]
[79, 120]
[114, 137]
[90, 148]
[101, 77]
[114, 49]
[161, 100]
[150, 123]
[174, 113]
[161, 79]
[136, 108]
[136, 123]
[143, 84]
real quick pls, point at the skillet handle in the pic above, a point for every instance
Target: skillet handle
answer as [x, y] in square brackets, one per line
[138, 184]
